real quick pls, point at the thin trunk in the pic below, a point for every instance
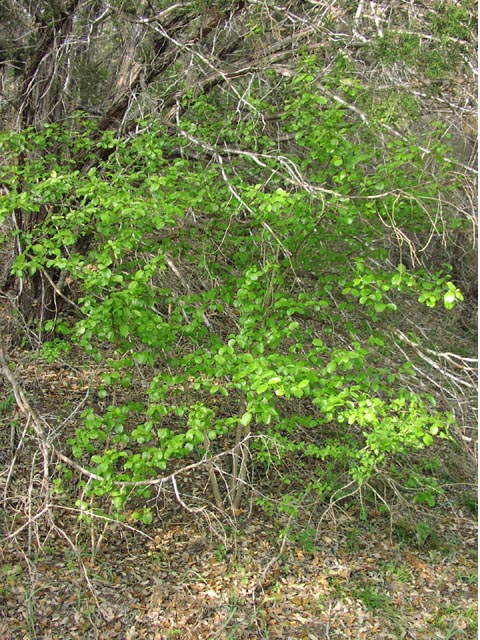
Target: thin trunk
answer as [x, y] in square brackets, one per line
[241, 454]
[212, 476]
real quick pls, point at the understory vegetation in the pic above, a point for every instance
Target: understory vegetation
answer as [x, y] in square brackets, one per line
[239, 293]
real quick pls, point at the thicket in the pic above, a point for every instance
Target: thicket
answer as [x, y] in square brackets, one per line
[251, 281]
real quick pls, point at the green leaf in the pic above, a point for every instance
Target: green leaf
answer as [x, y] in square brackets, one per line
[427, 439]
[147, 516]
[246, 418]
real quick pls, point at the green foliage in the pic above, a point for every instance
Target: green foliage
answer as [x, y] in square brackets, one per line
[438, 51]
[371, 598]
[7, 402]
[422, 533]
[454, 20]
[54, 349]
[297, 361]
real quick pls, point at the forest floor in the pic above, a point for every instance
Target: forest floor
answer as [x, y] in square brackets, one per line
[345, 579]
[408, 572]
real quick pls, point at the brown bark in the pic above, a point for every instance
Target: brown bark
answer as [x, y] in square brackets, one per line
[46, 76]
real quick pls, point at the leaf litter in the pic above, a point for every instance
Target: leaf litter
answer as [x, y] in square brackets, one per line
[184, 583]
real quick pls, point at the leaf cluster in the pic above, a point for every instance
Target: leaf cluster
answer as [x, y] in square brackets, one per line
[251, 293]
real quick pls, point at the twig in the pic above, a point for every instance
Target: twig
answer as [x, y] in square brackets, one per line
[435, 364]
[273, 561]
[25, 407]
